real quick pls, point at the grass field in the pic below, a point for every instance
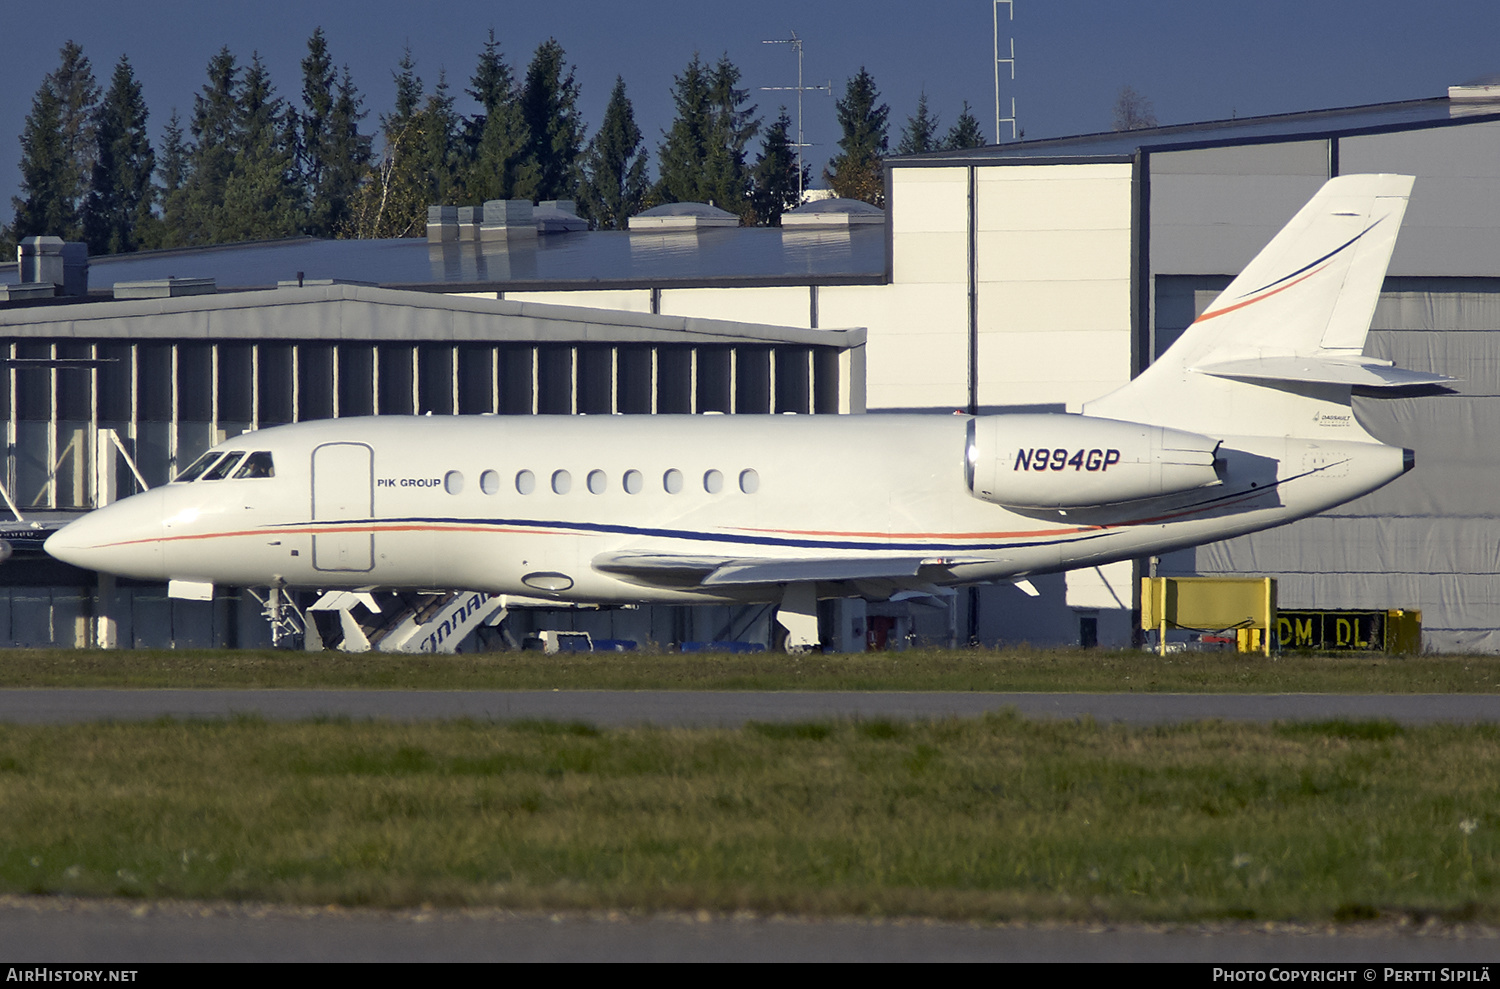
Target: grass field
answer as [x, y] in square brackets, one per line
[928, 669]
[994, 818]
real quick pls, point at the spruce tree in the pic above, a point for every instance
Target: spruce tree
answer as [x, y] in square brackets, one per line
[211, 160]
[857, 173]
[314, 139]
[119, 212]
[493, 84]
[45, 207]
[438, 147]
[965, 132]
[703, 158]
[681, 156]
[408, 88]
[496, 137]
[920, 133]
[776, 188]
[260, 195]
[554, 129]
[172, 169]
[346, 162]
[614, 183]
[727, 168]
[72, 82]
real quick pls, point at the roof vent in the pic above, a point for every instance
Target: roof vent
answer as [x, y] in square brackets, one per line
[832, 213]
[556, 216]
[1490, 91]
[165, 288]
[683, 216]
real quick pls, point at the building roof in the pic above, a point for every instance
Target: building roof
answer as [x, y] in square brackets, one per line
[368, 314]
[599, 259]
[1305, 125]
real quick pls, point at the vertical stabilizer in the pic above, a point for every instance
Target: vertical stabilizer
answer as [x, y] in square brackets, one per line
[1285, 338]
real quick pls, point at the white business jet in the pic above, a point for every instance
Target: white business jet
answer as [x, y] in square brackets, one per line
[1245, 423]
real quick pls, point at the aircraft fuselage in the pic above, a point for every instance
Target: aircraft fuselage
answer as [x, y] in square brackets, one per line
[544, 506]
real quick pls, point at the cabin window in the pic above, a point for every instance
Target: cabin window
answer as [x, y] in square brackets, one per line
[562, 482]
[713, 482]
[453, 482]
[223, 467]
[525, 482]
[489, 482]
[199, 466]
[597, 481]
[258, 464]
[672, 481]
[632, 482]
[749, 481]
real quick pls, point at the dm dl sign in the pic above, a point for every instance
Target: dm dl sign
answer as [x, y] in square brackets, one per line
[1350, 631]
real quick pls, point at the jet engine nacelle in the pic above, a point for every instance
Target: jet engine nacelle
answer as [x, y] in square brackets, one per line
[1073, 461]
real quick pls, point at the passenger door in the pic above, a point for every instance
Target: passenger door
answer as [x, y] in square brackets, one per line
[343, 490]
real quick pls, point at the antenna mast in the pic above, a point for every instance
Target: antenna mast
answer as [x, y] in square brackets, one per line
[796, 44]
[1010, 6]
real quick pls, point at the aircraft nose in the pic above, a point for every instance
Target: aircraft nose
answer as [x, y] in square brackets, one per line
[123, 538]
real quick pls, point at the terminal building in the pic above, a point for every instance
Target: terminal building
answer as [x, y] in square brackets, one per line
[1023, 277]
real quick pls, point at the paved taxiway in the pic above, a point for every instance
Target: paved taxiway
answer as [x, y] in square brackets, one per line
[53, 930]
[726, 708]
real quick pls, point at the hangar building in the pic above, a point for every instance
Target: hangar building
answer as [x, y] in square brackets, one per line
[1029, 276]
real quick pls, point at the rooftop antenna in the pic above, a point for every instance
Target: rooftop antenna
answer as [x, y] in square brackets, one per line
[796, 44]
[1010, 6]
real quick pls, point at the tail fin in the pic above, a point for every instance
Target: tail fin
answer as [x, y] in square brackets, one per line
[1291, 327]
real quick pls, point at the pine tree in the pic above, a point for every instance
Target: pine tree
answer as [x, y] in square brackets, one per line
[215, 129]
[965, 132]
[703, 158]
[920, 134]
[408, 88]
[172, 169]
[119, 213]
[313, 132]
[857, 173]
[78, 95]
[45, 207]
[727, 174]
[260, 194]
[438, 146]
[614, 183]
[681, 156]
[493, 84]
[496, 137]
[776, 188]
[549, 108]
[346, 162]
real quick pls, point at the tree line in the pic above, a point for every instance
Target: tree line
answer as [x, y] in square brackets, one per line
[250, 164]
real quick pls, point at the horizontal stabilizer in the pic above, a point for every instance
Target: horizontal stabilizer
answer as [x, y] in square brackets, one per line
[710, 572]
[1358, 372]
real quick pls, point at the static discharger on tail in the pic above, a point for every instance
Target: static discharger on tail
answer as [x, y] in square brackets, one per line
[1243, 424]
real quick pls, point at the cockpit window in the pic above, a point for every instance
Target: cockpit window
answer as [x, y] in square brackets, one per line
[223, 467]
[198, 467]
[258, 464]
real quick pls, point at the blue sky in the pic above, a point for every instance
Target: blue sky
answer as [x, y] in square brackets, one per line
[1193, 60]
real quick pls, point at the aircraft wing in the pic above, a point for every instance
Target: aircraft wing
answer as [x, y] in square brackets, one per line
[701, 571]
